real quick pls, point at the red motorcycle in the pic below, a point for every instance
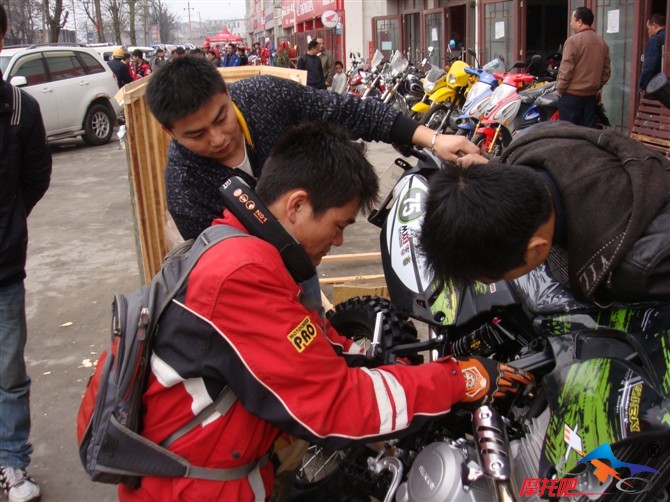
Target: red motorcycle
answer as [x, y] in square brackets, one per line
[514, 106]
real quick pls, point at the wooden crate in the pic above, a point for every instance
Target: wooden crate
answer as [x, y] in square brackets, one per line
[652, 126]
[146, 147]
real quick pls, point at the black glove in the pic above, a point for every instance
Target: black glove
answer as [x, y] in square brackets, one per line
[487, 380]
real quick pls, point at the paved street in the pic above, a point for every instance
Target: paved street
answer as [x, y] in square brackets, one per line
[81, 251]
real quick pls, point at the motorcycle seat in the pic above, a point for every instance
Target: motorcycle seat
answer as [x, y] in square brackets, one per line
[549, 100]
[530, 95]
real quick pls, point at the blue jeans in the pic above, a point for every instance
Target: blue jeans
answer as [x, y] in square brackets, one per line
[15, 449]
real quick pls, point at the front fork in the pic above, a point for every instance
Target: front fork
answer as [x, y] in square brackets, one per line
[491, 132]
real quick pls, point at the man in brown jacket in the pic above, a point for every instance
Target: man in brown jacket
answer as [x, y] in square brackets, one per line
[585, 69]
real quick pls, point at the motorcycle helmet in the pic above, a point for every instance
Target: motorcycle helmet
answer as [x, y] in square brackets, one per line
[414, 84]
[494, 66]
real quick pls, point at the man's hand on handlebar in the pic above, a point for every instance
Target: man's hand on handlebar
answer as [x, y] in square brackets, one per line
[471, 159]
[487, 380]
[446, 146]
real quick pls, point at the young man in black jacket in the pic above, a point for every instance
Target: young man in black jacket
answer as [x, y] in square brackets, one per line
[311, 63]
[25, 171]
[595, 204]
[218, 130]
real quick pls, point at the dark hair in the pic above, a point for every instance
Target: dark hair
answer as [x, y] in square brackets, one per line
[3, 21]
[340, 63]
[126, 55]
[180, 51]
[585, 15]
[657, 19]
[165, 93]
[160, 49]
[479, 220]
[138, 53]
[322, 159]
[312, 45]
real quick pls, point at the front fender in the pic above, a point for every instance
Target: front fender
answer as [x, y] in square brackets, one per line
[421, 107]
[442, 95]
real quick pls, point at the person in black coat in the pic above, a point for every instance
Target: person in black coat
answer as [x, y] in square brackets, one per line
[312, 64]
[25, 173]
[594, 204]
[119, 68]
[220, 130]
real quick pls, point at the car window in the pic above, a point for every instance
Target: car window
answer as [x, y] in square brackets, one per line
[31, 67]
[63, 65]
[90, 63]
[4, 61]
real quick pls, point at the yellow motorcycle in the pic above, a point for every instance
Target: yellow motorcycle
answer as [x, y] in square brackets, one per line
[445, 96]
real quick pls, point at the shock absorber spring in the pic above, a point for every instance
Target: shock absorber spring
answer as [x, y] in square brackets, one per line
[483, 341]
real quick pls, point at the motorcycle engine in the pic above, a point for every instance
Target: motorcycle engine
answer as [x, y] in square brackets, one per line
[437, 475]
[449, 471]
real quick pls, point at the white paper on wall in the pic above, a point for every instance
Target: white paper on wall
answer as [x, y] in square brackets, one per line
[499, 30]
[613, 21]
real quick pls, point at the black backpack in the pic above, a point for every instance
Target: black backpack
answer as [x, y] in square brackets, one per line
[109, 418]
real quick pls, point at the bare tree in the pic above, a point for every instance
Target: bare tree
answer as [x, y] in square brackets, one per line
[23, 19]
[166, 20]
[94, 14]
[131, 20]
[115, 9]
[55, 19]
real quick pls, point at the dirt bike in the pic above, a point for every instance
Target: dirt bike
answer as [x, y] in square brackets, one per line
[444, 96]
[596, 424]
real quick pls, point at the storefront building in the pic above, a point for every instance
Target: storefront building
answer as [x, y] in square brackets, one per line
[517, 29]
[514, 29]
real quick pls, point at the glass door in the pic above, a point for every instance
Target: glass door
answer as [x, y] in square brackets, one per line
[387, 34]
[433, 29]
[500, 31]
[615, 22]
[413, 43]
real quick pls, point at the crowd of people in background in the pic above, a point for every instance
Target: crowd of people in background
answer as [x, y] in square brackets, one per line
[323, 72]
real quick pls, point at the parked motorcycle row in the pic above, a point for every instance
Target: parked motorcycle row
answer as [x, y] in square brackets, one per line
[489, 104]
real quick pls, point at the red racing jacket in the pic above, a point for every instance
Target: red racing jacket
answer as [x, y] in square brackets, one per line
[240, 322]
[141, 70]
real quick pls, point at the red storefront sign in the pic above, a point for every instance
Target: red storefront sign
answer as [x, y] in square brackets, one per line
[298, 11]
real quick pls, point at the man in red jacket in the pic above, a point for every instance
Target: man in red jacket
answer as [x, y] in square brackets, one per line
[242, 321]
[141, 67]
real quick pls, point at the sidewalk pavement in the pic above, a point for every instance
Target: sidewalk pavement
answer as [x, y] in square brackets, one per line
[81, 251]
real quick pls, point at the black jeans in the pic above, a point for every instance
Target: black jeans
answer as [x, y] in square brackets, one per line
[580, 110]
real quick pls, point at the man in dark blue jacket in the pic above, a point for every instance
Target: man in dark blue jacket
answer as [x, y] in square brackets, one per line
[220, 130]
[25, 171]
[119, 68]
[653, 53]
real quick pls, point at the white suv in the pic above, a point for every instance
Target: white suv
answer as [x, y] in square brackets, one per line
[73, 85]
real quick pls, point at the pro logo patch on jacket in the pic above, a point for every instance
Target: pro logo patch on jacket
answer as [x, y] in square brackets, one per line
[303, 334]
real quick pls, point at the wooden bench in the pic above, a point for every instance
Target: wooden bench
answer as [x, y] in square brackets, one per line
[652, 126]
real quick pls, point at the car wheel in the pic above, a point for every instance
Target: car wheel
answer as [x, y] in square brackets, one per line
[98, 125]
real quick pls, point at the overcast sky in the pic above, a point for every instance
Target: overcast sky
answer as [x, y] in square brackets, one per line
[208, 9]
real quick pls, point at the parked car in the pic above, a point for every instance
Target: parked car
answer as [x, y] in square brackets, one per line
[74, 87]
[106, 50]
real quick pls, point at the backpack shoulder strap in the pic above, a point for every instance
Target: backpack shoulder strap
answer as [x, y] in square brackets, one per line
[221, 404]
[172, 276]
